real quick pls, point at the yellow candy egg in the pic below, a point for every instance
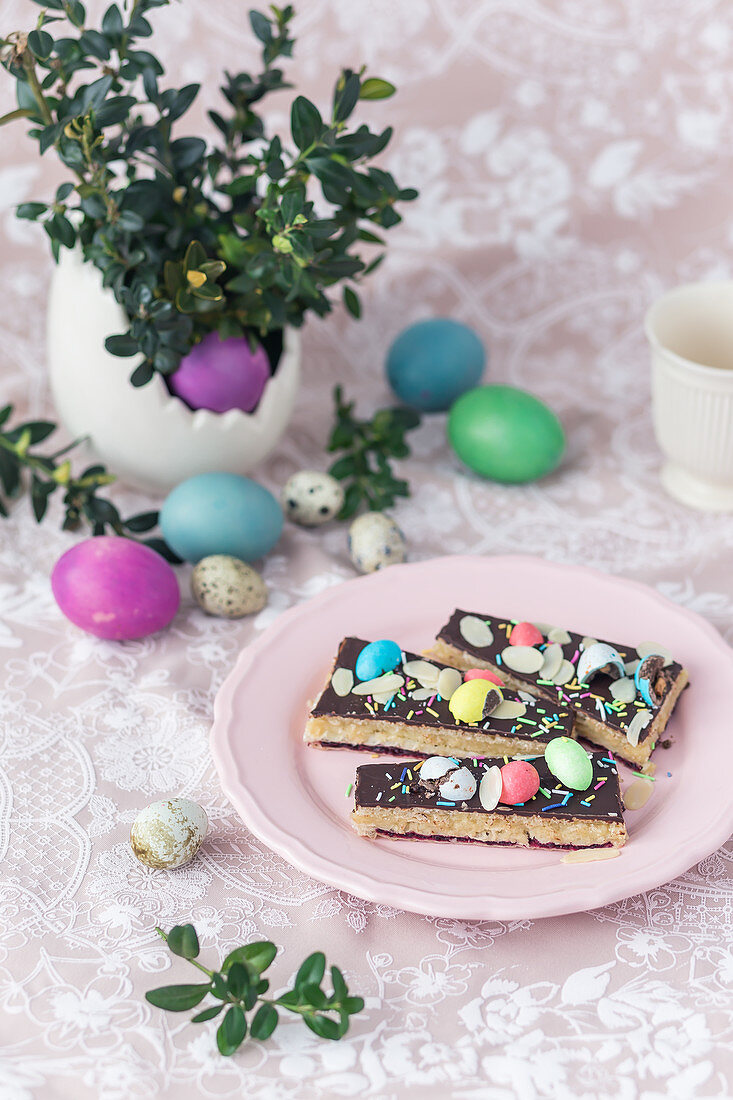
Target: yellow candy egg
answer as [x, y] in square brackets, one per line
[467, 701]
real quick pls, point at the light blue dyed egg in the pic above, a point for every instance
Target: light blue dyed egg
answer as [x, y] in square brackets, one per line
[642, 680]
[221, 514]
[433, 362]
[377, 658]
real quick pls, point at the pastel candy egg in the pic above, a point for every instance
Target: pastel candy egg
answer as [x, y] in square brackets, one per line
[599, 657]
[520, 781]
[433, 362]
[467, 702]
[525, 634]
[435, 767]
[115, 588]
[168, 833]
[374, 541]
[228, 587]
[646, 676]
[220, 514]
[505, 434]
[311, 498]
[458, 786]
[483, 674]
[376, 658]
[569, 762]
[222, 374]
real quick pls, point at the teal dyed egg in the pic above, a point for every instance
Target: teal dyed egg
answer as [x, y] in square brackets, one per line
[377, 658]
[569, 762]
[221, 514]
[433, 362]
[505, 434]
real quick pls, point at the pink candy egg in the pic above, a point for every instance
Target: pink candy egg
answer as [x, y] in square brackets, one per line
[483, 674]
[525, 634]
[520, 781]
[222, 374]
[115, 588]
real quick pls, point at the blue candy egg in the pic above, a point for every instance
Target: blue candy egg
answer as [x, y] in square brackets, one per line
[377, 658]
[221, 514]
[647, 668]
[433, 362]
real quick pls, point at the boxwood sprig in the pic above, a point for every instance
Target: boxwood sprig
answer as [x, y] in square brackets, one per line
[239, 988]
[368, 446]
[45, 474]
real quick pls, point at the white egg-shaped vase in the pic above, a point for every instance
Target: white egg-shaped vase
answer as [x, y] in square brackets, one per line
[146, 436]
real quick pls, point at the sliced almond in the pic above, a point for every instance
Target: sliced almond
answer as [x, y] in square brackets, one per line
[475, 631]
[342, 681]
[489, 791]
[552, 661]
[564, 675]
[645, 648]
[623, 690]
[639, 722]
[587, 642]
[557, 634]
[420, 694]
[590, 855]
[544, 628]
[422, 671]
[522, 658]
[631, 667]
[509, 708]
[638, 794]
[381, 685]
[450, 680]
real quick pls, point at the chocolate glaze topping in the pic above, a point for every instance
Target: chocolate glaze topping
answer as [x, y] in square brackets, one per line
[541, 721]
[396, 785]
[593, 701]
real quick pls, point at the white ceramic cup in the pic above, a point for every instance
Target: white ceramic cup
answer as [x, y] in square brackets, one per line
[690, 330]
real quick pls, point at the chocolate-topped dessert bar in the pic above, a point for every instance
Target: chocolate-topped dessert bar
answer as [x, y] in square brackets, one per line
[622, 696]
[477, 800]
[381, 698]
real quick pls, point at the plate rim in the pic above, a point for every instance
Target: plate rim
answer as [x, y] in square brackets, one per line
[411, 899]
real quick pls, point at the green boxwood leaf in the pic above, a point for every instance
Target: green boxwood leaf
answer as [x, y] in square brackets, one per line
[207, 1014]
[177, 998]
[375, 88]
[311, 970]
[40, 43]
[122, 344]
[231, 1031]
[30, 210]
[347, 97]
[257, 955]
[352, 303]
[112, 20]
[323, 1027]
[261, 26]
[238, 980]
[264, 1022]
[183, 941]
[306, 123]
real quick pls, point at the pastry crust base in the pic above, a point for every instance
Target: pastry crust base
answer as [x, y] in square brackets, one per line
[596, 732]
[335, 731]
[522, 830]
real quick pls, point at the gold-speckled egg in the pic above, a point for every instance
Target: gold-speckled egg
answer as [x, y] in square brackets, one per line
[228, 587]
[168, 833]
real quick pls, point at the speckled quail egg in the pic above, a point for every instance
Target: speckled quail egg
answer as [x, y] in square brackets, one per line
[311, 498]
[228, 587]
[169, 833]
[375, 540]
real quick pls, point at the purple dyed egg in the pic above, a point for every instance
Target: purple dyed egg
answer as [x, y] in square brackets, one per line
[115, 588]
[221, 375]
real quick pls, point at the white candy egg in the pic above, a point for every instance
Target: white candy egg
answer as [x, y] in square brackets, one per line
[311, 498]
[598, 656]
[169, 833]
[435, 767]
[226, 586]
[459, 786]
[375, 540]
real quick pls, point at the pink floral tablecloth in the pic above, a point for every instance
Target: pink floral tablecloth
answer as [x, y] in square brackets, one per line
[574, 159]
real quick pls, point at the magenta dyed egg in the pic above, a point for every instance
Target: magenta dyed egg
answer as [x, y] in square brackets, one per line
[221, 375]
[115, 588]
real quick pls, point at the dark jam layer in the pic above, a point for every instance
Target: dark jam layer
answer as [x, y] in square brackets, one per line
[541, 721]
[397, 785]
[593, 701]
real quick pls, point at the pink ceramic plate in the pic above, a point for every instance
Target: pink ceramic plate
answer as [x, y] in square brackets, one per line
[294, 799]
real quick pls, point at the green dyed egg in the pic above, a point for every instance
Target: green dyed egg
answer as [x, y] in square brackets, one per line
[570, 763]
[505, 434]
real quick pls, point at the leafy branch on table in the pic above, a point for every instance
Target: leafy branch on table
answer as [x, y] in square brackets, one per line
[239, 988]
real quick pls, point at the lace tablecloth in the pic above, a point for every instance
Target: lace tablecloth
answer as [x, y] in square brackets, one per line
[571, 165]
